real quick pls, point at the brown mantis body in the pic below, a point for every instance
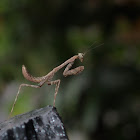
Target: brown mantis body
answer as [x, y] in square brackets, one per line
[48, 78]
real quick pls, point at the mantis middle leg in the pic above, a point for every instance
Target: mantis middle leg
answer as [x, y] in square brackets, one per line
[57, 83]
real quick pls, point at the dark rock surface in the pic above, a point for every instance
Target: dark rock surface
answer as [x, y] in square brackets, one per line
[40, 124]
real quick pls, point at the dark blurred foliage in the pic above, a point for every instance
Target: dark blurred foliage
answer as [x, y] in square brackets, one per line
[102, 102]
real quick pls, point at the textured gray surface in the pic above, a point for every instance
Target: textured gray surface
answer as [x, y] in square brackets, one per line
[40, 124]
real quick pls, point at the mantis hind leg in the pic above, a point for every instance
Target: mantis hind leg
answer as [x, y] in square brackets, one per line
[22, 85]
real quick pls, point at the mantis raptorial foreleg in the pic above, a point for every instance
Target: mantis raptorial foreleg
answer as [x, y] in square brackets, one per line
[74, 71]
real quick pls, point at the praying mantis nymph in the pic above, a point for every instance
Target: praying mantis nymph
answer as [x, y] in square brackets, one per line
[48, 78]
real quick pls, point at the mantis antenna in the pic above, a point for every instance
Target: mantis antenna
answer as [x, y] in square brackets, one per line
[90, 48]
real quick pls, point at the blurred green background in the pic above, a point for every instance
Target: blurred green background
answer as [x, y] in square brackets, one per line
[103, 102]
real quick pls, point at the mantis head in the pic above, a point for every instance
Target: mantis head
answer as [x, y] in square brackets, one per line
[81, 56]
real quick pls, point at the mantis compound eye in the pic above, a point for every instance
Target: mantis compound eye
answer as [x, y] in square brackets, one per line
[81, 56]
